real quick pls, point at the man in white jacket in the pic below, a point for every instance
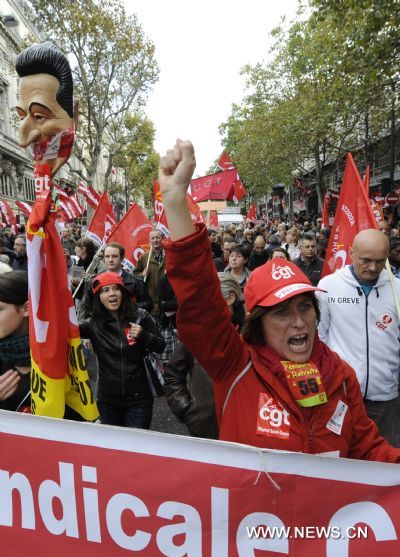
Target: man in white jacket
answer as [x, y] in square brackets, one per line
[359, 321]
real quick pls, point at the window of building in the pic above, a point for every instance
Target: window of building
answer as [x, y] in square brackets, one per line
[29, 188]
[5, 185]
[4, 113]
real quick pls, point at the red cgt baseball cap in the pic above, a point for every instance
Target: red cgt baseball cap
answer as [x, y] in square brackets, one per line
[274, 282]
[106, 279]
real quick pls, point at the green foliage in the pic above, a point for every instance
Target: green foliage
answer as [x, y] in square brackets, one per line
[138, 157]
[113, 65]
[325, 90]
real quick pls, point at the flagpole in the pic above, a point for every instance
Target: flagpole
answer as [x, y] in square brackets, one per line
[96, 256]
[393, 287]
[148, 263]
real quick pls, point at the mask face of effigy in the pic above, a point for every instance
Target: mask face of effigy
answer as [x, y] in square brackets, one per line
[45, 105]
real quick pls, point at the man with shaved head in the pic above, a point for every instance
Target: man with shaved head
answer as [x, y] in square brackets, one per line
[359, 321]
[258, 255]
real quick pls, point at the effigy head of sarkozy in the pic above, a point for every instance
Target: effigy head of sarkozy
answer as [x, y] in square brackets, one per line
[46, 105]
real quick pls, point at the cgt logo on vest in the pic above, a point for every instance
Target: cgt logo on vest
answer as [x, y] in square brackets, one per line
[272, 419]
[384, 321]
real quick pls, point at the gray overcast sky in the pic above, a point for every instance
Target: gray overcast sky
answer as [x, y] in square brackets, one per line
[200, 48]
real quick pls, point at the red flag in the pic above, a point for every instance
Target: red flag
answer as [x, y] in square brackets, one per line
[73, 199]
[215, 186]
[239, 191]
[26, 208]
[194, 210]
[252, 213]
[102, 221]
[59, 376]
[159, 213]
[90, 194]
[213, 220]
[132, 232]
[353, 214]
[225, 162]
[7, 213]
[66, 210]
[325, 211]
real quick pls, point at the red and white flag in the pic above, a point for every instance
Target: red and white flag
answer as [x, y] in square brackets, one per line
[74, 202]
[59, 377]
[214, 186]
[211, 218]
[132, 232]
[225, 162]
[194, 210]
[90, 194]
[25, 207]
[102, 221]
[8, 215]
[159, 214]
[66, 211]
[239, 191]
[252, 213]
[353, 214]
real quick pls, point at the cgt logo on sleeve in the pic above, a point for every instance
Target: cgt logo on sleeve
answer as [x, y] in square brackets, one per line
[272, 419]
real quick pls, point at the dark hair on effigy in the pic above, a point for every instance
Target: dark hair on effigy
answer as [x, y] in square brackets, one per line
[47, 58]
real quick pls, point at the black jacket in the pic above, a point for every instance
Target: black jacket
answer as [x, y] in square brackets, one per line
[312, 270]
[257, 259]
[167, 301]
[20, 263]
[190, 394]
[122, 375]
[135, 285]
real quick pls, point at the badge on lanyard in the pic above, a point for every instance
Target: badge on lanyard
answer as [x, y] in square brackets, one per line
[305, 383]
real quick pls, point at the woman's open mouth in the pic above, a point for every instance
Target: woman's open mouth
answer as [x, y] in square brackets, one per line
[298, 343]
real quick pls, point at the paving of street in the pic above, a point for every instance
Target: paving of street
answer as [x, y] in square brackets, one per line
[163, 419]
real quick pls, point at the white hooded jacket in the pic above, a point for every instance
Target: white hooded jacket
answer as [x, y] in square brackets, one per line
[363, 330]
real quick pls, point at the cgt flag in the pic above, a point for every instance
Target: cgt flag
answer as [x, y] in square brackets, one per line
[102, 222]
[214, 186]
[132, 232]
[159, 213]
[353, 213]
[59, 378]
[252, 213]
[239, 191]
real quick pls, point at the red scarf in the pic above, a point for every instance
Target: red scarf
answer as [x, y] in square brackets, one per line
[321, 356]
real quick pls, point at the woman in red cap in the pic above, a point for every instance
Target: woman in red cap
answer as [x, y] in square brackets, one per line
[277, 386]
[121, 333]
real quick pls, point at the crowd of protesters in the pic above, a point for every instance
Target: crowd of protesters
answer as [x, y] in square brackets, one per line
[112, 300]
